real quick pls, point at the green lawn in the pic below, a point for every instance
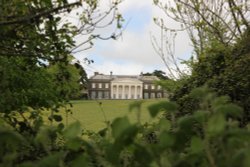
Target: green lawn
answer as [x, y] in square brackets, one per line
[90, 114]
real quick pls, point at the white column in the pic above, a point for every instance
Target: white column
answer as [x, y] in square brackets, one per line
[141, 88]
[111, 91]
[117, 92]
[135, 92]
[123, 91]
[138, 91]
[129, 91]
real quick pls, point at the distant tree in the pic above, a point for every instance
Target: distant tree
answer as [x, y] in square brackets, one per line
[160, 74]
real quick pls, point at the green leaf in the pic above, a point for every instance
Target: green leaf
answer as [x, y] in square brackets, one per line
[196, 145]
[199, 93]
[216, 124]
[166, 139]
[43, 136]
[119, 125]
[201, 116]
[74, 144]
[230, 110]
[80, 161]
[186, 122]
[10, 138]
[162, 106]
[164, 124]
[73, 130]
[145, 159]
[51, 160]
[220, 100]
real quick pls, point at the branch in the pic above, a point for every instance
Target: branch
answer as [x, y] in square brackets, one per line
[38, 15]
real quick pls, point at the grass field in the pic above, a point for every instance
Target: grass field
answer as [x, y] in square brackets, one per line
[89, 112]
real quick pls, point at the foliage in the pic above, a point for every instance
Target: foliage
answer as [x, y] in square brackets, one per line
[160, 74]
[225, 70]
[210, 136]
[35, 75]
[224, 20]
[67, 79]
[21, 85]
[219, 33]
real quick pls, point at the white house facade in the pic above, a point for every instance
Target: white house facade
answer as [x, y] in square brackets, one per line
[123, 87]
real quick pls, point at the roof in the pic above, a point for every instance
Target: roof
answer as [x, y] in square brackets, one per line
[111, 77]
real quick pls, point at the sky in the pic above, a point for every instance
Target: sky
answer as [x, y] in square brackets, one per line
[133, 52]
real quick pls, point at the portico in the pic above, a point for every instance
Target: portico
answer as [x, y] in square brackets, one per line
[126, 88]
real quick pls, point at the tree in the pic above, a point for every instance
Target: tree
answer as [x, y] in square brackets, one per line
[223, 20]
[219, 33]
[36, 43]
[36, 77]
[160, 74]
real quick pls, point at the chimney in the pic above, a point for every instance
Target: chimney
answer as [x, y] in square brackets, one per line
[111, 73]
[96, 73]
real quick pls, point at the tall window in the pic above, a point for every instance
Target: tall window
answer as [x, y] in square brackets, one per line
[152, 87]
[100, 95]
[93, 85]
[106, 85]
[93, 95]
[100, 85]
[152, 95]
[159, 87]
[106, 94]
[145, 86]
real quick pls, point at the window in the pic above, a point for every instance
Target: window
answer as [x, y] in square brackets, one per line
[114, 96]
[159, 87]
[145, 95]
[100, 85]
[106, 94]
[159, 95]
[93, 95]
[106, 85]
[93, 85]
[145, 86]
[99, 95]
[152, 95]
[152, 87]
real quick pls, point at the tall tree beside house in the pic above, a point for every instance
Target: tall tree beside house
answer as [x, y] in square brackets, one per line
[219, 32]
[36, 40]
[35, 35]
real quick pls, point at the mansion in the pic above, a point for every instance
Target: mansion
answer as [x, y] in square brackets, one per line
[123, 87]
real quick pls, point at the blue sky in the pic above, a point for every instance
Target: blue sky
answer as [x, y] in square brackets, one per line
[133, 52]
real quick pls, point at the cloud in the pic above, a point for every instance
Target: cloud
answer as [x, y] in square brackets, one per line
[119, 69]
[133, 52]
